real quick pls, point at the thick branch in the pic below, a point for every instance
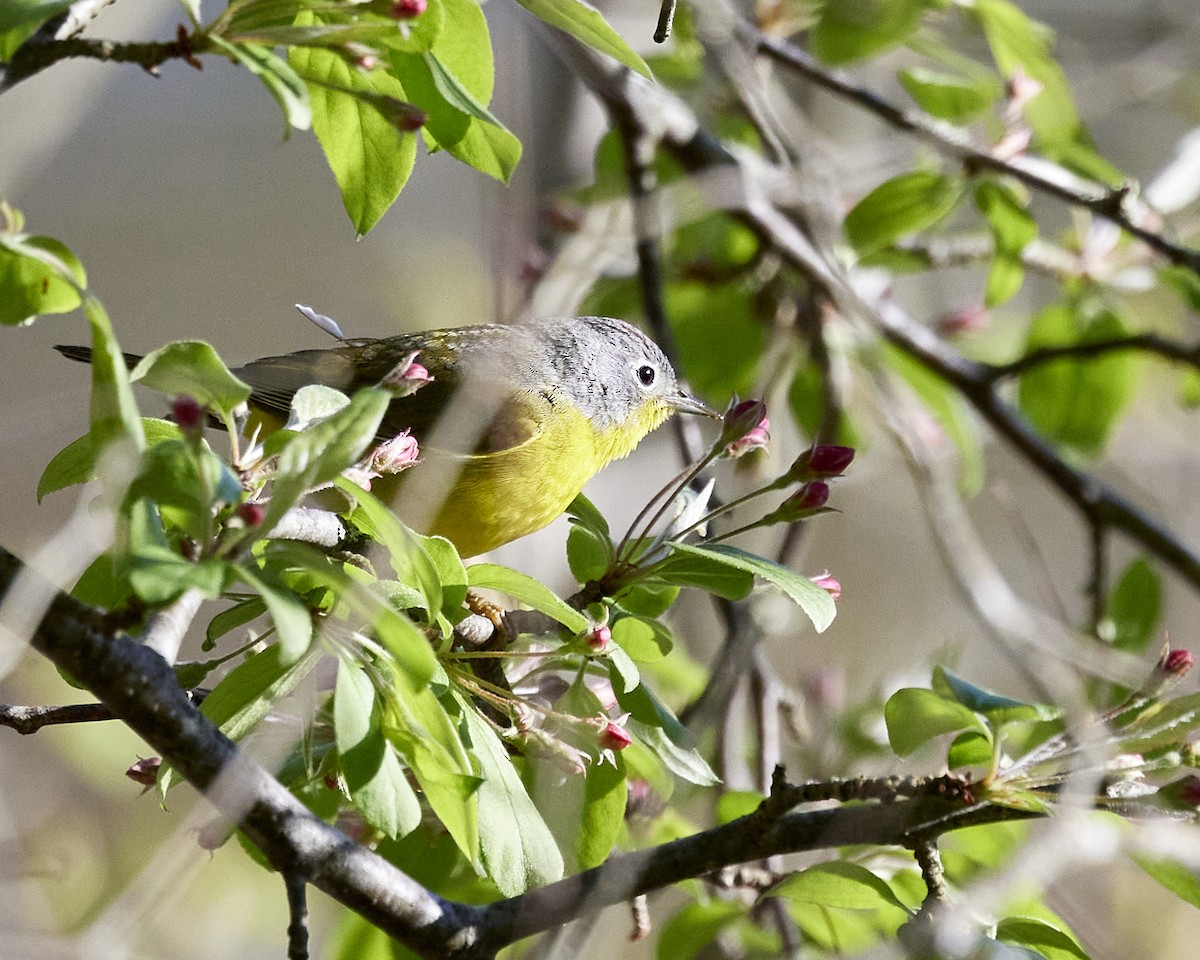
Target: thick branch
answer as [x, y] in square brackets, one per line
[36, 55]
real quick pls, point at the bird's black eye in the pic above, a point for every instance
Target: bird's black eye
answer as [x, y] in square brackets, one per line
[646, 374]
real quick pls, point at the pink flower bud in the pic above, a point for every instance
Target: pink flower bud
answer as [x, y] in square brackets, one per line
[145, 771]
[395, 455]
[613, 736]
[828, 583]
[1177, 662]
[408, 9]
[963, 320]
[812, 496]
[406, 377]
[410, 121]
[819, 462]
[187, 412]
[599, 637]
[252, 514]
[745, 428]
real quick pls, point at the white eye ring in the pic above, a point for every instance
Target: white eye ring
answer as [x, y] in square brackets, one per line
[646, 375]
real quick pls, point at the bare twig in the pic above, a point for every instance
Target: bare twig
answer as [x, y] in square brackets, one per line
[26, 720]
[666, 16]
[1151, 343]
[36, 55]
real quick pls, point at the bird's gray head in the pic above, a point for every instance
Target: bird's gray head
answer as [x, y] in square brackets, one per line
[611, 370]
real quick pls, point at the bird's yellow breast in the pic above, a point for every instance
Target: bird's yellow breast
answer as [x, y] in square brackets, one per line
[501, 496]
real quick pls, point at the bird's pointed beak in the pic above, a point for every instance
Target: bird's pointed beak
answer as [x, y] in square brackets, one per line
[684, 402]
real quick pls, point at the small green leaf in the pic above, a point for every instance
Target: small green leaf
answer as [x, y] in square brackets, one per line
[277, 76]
[970, 749]
[76, 462]
[996, 708]
[915, 716]
[622, 667]
[1046, 941]
[584, 22]
[407, 555]
[114, 413]
[374, 778]
[517, 848]
[1078, 402]
[318, 455]
[947, 96]
[419, 727]
[694, 929]
[904, 205]
[705, 573]
[643, 639]
[816, 603]
[243, 698]
[849, 30]
[529, 591]
[29, 13]
[654, 725]
[159, 575]
[1135, 606]
[231, 619]
[587, 554]
[734, 804]
[488, 148]
[370, 157]
[839, 884]
[192, 367]
[38, 275]
[1179, 879]
[292, 619]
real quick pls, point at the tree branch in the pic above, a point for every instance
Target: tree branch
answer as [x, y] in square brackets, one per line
[36, 55]
[138, 686]
[1110, 204]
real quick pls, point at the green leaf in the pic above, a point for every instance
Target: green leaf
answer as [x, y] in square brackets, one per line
[816, 603]
[489, 149]
[904, 205]
[419, 727]
[713, 576]
[996, 708]
[529, 591]
[622, 668]
[159, 575]
[849, 30]
[240, 701]
[374, 778]
[318, 455]
[1006, 274]
[29, 13]
[113, 410]
[1039, 936]
[587, 554]
[292, 618]
[1179, 879]
[192, 367]
[915, 716]
[370, 157]
[970, 749]
[839, 884]
[1134, 607]
[76, 462]
[643, 639]
[1072, 402]
[517, 848]
[734, 804]
[702, 314]
[602, 816]
[37, 275]
[948, 96]
[584, 22]
[695, 928]
[277, 76]
[229, 620]
[408, 557]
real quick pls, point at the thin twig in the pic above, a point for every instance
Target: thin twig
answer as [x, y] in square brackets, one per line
[26, 720]
[666, 16]
[34, 56]
[1109, 204]
[1140, 343]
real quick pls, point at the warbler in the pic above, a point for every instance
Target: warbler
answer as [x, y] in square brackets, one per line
[515, 420]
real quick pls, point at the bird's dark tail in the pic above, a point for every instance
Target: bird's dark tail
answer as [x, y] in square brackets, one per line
[84, 354]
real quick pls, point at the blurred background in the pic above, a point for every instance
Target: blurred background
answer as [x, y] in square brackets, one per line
[195, 218]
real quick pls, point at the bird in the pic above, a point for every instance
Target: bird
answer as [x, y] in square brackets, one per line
[514, 421]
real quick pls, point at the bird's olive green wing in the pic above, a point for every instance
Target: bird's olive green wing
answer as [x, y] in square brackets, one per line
[514, 418]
